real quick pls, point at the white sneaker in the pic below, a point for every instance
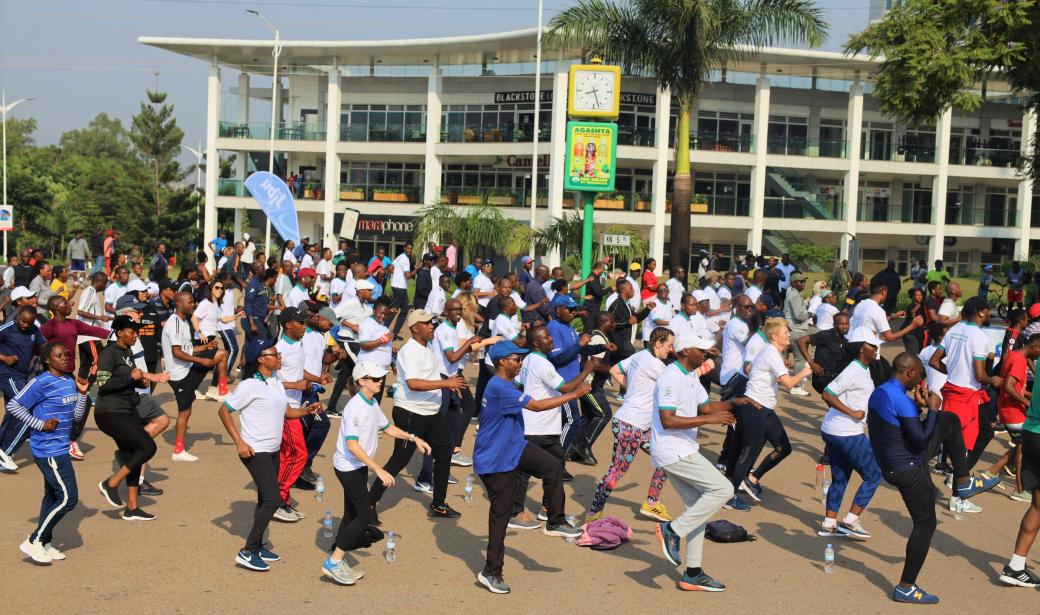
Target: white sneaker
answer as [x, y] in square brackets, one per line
[35, 551]
[798, 391]
[199, 396]
[212, 394]
[286, 514]
[969, 506]
[423, 487]
[184, 456]
[7, 463]
[52, 552]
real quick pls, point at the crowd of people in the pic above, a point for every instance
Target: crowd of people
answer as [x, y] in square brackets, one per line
[551, 355]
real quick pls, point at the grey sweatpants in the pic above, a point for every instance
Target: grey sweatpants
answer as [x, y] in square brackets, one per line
[704, 490]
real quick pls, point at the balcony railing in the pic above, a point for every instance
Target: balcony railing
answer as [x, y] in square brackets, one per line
[399, 133]
[797, 208]
[917, 214]
[494, 133]
[797, 146]
[984, 156]
[306, 190]
[289, 131]
[641, 137]
[381, 193]
[982, 216]
[721, 142]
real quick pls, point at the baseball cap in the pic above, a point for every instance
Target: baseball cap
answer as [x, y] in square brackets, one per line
[712, 274]
[863, 334]
[136, 286]
[245, 236]
[1034, 310]
[692, 340]
[765, 300]
[167, 284]
[526, 259]
[700, 295]
[124, 322]
[504, 349]
[363, 285]
[253, 349]
[307, 271]
[368, 370]
[129, 302]
[21, 292]
[825, 292]
[428, 257]
[564, 301]
[417, 316]
[328, 314]
[153, 288]
[635, 267]
[292, 314]
[797, 277]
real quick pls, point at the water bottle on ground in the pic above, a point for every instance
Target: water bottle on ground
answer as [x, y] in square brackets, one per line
[571, 521]
[819, 477]
[391, 547]
[467, 491]
[826, 487]
[319, 490]
[958, 509]
[828, 559]
[326, 524]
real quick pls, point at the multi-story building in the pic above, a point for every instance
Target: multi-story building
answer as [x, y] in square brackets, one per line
[787, 146]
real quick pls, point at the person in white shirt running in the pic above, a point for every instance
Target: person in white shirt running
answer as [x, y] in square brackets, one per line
[824, 313]
[660, 314]
[869, 313]
[400, 272]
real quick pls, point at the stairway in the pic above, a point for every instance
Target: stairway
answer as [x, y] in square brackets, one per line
[800, 190]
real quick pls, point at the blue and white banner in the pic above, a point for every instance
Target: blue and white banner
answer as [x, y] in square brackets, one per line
[277, 202]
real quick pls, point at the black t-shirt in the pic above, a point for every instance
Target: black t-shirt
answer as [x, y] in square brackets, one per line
[23, 275]
[153, 316]
[830, 354]
[116, 390]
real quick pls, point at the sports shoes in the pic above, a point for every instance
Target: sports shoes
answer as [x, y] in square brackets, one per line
[183, 456]
[523, 521]
[737, 504]
[7, 463]
[268, 555]
[1021, 496]
[460, 459]
[1009, 470]
[829, 532]
[35, 551]
[147, 488]
[296, 511]
[423, 487]
[494, 583]
[212, 394]
[913, 595]
[753, 490]
[442, 511]
[137, 514]
[669, 542]
[340, 572]
[969, 506]
[977, 485]
[564, 530]
[452, 480]
[700, 583]
[593, 516]
[798, 391]
[309, 475]
[543, 514]
[567, 476]
[199, 396]
[655, 511]
[111, 494]
[1021, 578]
[251, 561]
[286, 514]
[74, 451]
[334, 413]
[853, 530]
[53, 553]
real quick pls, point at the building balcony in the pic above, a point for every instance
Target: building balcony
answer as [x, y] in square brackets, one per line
[494, 133]
[361, 132]
[913, 214]
[381, 193]
[982, 216]
[288, 131]
[799, 208]
[307, 190]
[984, 156]
[815, 148]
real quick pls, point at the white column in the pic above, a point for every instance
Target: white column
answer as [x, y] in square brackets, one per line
[758, 173]
[242, 159]
[854, 135]
[237, 228]
[557, 151]
[209, 224]
[432, 162]
[332, 117]
[660, 182]
[942, 156]
[1025, 190]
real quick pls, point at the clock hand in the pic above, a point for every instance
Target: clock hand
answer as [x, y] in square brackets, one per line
[595, 95]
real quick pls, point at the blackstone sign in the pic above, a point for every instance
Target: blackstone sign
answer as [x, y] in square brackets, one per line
[627, 98]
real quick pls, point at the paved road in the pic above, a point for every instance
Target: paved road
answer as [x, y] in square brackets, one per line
[183, 561]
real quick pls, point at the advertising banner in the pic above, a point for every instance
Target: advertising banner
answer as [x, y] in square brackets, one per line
[277, 202]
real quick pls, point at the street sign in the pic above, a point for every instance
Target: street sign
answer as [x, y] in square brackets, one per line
[6, 218]
[591, 156]
[615, 241]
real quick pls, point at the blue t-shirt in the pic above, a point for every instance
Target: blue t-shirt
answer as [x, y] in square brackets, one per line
[22, 344]
[500, 441]
[564, 337]
[893, 448]
[50, 397]
[377, 290]
[219, 244]
[472, 270]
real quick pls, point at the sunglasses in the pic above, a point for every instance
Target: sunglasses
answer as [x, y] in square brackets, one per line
[218, 288]
[269, 354]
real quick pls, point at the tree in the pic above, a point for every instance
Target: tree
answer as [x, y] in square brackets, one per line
[940, 54]
[679, 43]
[157, 138]
[565, 234]
[480, 226]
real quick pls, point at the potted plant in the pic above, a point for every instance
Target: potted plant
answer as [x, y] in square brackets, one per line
[610, 200]
[391, 194]
[351, 193]
[643, 202]
[699, 204]
[469, 196]
[501, 197]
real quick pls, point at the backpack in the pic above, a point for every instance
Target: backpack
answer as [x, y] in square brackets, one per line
[724, 531]
[604, 534]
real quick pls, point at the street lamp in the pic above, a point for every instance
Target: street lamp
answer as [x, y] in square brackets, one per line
[200, 154]
[537, 112]
[274, 107]
[4, 109]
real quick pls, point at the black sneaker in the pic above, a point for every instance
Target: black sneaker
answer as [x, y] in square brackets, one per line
[1021, 578]
[304, 485]
[147, 488]
[942, 469]
[111, 494]
[309, 475]
[443, 511]
[567, 476]
[137, 515]
[334, 413]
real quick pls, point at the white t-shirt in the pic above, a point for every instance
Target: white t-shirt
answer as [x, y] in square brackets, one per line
[852, 387]
[417, 361]
[681, 391]
[767, 367]
[307, 261]
[675, 290]
[682, 324]
[825, 316]
[435, 302]
[949, 308]
[753, 293]
[814, 304]
[541, 381]
[635, 300]
[227, 309]
[934, 377]
[248, 252]
[297, 295]
[292, 367]
[88, 302]
[753, 347]
[402, 265]
[313, 351]
[370, 330]
[662, 310]
[176, 333]
[733, 338]
[446, 337]
[964, 344]
[260, 403]
[323, 268]
[8, 276]
[872, 316]
[641, 372]
[113, 292]
[725, 294]
[714, 301]
[208, 315]
[337, 287]
[362, 421]
[506, 326]
[483, 284]
[354, 312]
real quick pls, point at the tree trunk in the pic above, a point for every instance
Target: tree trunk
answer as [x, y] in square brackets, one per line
[679, 232]
[158, 206]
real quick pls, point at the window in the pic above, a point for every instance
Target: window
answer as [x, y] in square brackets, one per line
[787, 135]
[383, 123]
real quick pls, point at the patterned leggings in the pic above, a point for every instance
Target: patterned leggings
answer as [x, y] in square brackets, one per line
[627, 440]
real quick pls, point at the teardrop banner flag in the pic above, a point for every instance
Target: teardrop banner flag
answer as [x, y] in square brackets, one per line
[277, 202]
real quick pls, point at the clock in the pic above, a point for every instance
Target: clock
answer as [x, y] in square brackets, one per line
[594, 91]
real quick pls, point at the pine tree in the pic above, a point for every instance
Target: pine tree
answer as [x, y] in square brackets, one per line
[157, 138]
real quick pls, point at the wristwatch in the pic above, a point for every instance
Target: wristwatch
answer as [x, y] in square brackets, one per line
[411, 437]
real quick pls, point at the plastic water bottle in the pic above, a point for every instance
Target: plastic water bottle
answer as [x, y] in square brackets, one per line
[326, 524]
[826, 487]
[819, 477]
[571, 521]
[828, 559]
[958, 509]
[319, 490]
[467, 491]
[391, 547]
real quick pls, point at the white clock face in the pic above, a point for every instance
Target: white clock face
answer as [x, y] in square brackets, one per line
[594, 90]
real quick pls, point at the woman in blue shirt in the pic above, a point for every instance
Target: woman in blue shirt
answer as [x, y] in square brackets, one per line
[48, 405]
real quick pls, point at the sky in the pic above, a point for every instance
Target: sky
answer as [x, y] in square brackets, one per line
[78, 59]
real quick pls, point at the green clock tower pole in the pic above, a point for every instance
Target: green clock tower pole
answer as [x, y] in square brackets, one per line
[586, 233]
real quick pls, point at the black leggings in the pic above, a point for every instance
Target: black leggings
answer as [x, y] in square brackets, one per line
[755, 426]
[435, 430]
[597, 413]
[263, 467]
[346, 368]
[355, 509]
[918, 492]
[131, 438]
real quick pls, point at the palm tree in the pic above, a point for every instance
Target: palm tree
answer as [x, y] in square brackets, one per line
[679, 43]
[565, 234]
[479, 226]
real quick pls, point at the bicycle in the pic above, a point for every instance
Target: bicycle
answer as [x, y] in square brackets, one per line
[997, 299]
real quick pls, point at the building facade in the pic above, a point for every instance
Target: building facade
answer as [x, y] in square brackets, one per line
[788, 146]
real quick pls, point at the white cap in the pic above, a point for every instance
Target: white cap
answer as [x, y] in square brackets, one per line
[368, 370]
[864, 334]
[700, 295]
[21, 292]
[136, 286]
[364, 285]
[153, 288]
[690, 340]
[245, 236]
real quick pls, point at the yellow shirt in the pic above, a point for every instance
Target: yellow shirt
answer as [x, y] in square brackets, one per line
[60, 288]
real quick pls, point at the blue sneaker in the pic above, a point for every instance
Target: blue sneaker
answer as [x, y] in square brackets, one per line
[700, 583]
[753, 490]
[669, 542]
[913, 595]
[737, 504]
[251, 560]
[976, 485]
[268, 555]
[340, 572]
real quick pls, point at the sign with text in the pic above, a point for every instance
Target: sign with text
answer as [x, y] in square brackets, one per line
[591, 156]
[277, 202]
[6, 218]
[627, 98]
[615, 241]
